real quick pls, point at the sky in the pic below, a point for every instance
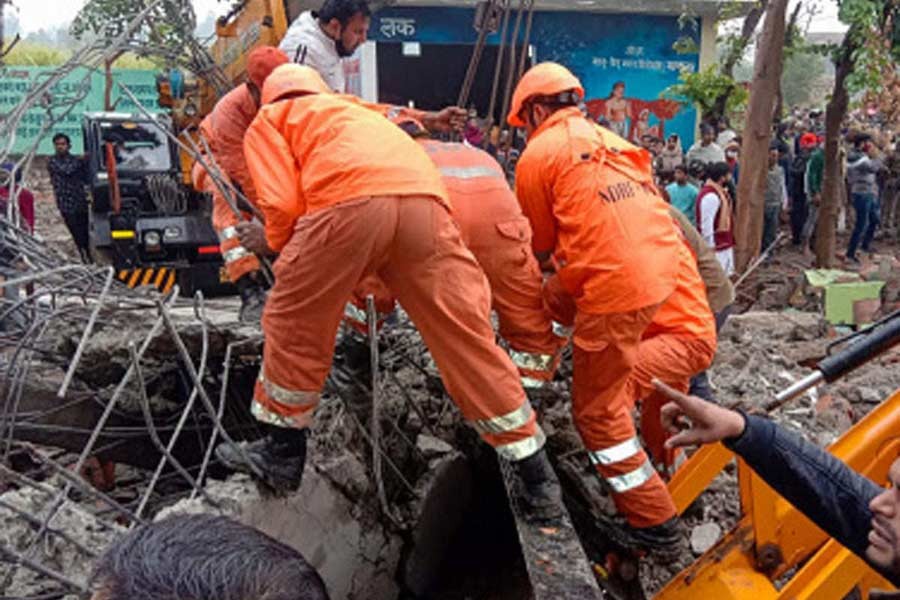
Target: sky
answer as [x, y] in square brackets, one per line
[49, 14]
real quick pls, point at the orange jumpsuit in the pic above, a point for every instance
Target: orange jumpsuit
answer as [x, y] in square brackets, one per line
[591, 201]
[498, 234]
[224, 130]
[340, 206]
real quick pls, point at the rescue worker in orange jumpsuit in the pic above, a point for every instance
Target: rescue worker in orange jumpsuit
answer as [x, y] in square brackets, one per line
[494, 229]
[223, 130]
[339, 207]
[592, 205]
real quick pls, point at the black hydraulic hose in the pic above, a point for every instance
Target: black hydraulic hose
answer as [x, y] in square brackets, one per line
[866, 345]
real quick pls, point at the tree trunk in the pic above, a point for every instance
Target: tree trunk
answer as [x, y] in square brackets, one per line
[758, 134]
[835, 112]
[736, 51]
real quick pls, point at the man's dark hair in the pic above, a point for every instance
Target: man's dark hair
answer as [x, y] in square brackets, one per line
[717, 170]
[203, 557]
[681, 168]
[343, 10]
[697, 169]
[62, 136]
[707, 128]
[861, 139]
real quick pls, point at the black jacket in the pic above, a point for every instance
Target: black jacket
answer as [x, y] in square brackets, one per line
[827, 491]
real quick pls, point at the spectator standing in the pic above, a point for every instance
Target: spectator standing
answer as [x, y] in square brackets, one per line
[815, 174]
[25, 199]
[473, 132]
[725, 133]
[862, 171]
[732, 158]
[683, 194]
[706, 151]
[68, 175]
[797, 192]
[672, 154]
[776, 197]
[715, 212]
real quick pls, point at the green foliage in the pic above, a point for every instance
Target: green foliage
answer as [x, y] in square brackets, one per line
[704, 87]
[690, 33]
[870, 56]
[166, 32]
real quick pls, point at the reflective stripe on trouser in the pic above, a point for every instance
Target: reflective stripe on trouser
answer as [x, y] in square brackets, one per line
[224, 221]
[535, 369]
[673, 360]
[602, 415]
[413, 245]
[281, 406]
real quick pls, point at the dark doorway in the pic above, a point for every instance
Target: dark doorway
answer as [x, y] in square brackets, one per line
[433, 79]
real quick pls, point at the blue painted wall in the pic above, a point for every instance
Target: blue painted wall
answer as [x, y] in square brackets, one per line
[600, 49]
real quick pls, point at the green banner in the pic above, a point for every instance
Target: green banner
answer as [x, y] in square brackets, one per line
[15, 82]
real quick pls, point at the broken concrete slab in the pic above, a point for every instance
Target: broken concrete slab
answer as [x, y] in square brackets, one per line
[431, 447]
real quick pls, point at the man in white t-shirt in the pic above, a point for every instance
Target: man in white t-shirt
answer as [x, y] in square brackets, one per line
[322, 40]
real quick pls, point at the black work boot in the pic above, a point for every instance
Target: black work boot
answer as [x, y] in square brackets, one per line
[253, 299]
[279, 457]
[351, 375]
[666, 541]
[539, 493]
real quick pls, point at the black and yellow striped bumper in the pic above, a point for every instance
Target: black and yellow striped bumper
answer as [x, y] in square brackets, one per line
[162, 278]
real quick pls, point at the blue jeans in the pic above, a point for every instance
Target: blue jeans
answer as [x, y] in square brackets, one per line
[770, 226]
[868, 216]
[700, 385]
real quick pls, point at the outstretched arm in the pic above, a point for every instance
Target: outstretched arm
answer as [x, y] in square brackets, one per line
[830, 493]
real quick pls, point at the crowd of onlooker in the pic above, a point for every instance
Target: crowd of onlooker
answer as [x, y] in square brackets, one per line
[870, 170]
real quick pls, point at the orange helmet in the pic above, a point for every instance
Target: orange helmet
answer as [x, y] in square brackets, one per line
[545, 79]
[262, 61]
[292, 78]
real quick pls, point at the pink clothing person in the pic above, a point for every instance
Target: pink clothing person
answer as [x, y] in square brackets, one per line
[24, 196]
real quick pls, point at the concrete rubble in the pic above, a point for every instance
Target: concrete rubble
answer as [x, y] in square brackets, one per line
[52, 551]
[435, 468]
